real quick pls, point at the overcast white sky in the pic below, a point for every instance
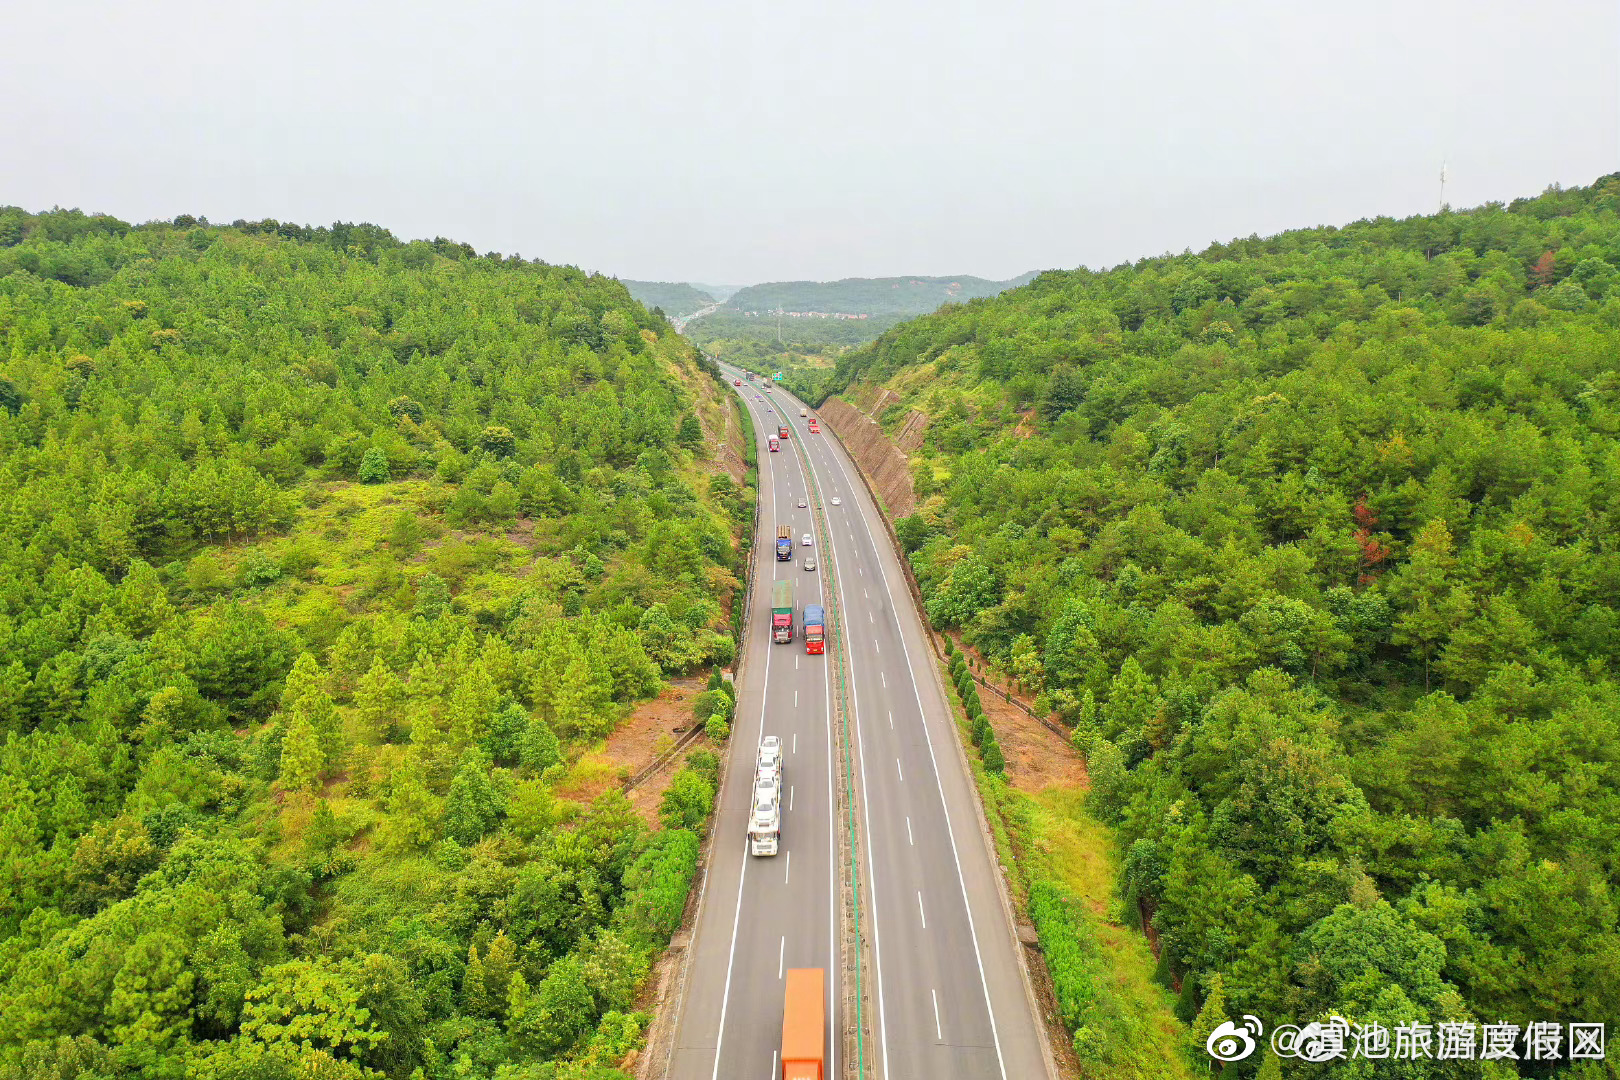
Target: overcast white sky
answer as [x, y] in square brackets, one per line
[742, 142]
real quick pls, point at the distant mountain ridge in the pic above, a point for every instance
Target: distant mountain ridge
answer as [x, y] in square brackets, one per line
[905, 295]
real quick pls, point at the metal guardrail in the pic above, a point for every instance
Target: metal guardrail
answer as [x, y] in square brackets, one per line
[933, 635]
[688, 738]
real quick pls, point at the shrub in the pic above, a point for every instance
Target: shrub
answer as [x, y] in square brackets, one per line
[990, 754]
[656, 886]
[950, 650]
[374, 467]
[1070, 962]
[722, 650]
[709, 703]
[687, 801]
[707, 764]
[979, 727]
[717, 728]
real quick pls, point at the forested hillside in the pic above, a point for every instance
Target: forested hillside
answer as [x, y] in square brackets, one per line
[322, 557]
[1313, 541]
[674, 298]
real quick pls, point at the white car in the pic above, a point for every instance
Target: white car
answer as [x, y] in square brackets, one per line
[802, 504]
[806, 541]
[809, 562]
[770, 749]
[836, 502]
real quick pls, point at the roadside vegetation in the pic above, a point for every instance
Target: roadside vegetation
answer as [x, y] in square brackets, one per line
[325, 561]
[1311, 541]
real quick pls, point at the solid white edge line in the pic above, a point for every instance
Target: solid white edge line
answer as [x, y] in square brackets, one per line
[781, 956]
[725, 997]
[921, 914]
[950, 832]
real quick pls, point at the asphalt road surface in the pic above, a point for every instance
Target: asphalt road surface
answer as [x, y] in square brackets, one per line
[948, 992]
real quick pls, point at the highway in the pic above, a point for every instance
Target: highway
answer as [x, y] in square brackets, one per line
[948, 992]
[762, 915]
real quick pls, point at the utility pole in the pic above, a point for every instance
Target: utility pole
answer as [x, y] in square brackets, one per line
[1442, 185]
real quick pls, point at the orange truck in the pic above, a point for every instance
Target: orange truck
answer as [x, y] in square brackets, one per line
[804, 1024]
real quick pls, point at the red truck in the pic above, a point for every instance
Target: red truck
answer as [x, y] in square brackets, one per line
[804, 1024]
[815, 629]
[815, 426]
[774, 445]
[782, 430]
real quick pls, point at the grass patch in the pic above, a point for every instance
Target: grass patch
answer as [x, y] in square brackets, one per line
[1130, 1029]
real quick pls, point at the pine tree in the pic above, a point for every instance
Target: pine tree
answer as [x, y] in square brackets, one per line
[500, 967]
[1211, 1016]
[474, 999]
[305, 699]
[581, 704]
[507, 729]
[471, 707]
[539, 749]
[349, 657]
[412, 821]
[379, 702]
[302, 759]
[474, 805]
[432, 597]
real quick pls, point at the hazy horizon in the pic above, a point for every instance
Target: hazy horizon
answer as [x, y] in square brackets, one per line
[735, 143]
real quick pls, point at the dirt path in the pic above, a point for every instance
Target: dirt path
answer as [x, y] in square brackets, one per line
[649, 731]
[1037, 757]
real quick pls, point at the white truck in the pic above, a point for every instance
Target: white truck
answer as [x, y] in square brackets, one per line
[765, 815]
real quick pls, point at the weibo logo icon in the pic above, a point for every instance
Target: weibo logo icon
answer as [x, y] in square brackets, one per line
[1234, 1042]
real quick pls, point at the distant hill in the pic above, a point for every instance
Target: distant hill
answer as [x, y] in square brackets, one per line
[866, 296]
[674, 297]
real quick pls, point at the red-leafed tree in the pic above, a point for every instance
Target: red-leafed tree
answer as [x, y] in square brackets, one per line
[1542, 273]
[1373, 550]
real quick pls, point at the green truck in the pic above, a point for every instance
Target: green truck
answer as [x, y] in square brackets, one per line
[782, 612]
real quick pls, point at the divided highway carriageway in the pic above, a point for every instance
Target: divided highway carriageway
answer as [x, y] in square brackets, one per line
[942, 981]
